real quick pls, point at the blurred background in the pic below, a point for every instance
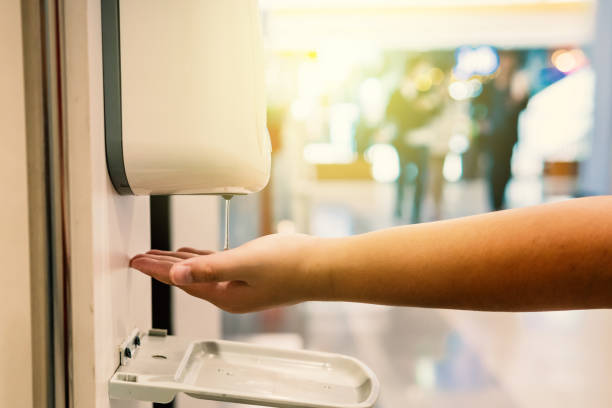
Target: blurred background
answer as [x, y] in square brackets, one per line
[392, 112]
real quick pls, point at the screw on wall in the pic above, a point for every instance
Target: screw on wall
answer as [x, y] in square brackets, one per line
[129, 347]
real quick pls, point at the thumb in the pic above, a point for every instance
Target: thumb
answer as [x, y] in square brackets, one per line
[216, 267]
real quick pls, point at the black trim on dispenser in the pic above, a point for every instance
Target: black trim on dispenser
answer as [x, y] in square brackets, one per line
[111, 63]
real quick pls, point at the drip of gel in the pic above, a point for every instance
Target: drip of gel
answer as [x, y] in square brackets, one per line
[227, 199]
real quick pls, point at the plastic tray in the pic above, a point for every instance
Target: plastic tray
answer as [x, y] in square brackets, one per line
[244, 373]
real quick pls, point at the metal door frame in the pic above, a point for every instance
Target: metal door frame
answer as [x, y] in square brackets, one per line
[43, 57]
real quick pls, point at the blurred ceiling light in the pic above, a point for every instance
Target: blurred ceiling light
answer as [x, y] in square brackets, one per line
[567, 61]
[385, 162]
[472, 61]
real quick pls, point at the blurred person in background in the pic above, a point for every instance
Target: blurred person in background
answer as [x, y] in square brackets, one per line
[504, 97]
[413, 105]
[451, 120]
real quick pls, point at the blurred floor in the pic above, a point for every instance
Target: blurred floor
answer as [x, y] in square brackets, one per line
[440, 358]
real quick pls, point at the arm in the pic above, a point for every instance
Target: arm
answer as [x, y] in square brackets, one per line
[549, 257]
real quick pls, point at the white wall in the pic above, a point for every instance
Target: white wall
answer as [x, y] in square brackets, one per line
[108, 299]
[15, 320]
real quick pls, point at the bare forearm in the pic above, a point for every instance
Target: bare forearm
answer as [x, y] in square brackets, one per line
[556, 256]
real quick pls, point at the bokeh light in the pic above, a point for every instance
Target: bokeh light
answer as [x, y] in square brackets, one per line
[568, 61]
[475, 61]
[385, 163]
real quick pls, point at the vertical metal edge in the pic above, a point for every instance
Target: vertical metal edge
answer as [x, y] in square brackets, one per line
[61, 192]
[48, 202]
[57, 200]
[111, 65]
[38, 216]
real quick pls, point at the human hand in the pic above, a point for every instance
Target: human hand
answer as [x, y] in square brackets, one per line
[270, 271]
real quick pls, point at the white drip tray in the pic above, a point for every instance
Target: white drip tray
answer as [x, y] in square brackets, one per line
[161, 367]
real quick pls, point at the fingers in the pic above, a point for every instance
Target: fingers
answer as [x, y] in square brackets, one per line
[169, 258]
[217, 267]
[234, 296]
[178, 254]
[184, 253]
[221, 278]
[160, 269]
[157, 269]
[195, 251]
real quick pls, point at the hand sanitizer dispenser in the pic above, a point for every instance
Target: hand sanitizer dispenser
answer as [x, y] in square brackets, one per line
[184, 99]
[185, 114]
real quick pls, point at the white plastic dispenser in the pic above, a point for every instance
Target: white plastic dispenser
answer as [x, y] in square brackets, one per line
[185, 114]
[184, 99]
